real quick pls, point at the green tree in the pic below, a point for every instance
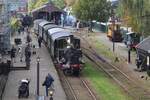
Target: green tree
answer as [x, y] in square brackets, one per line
[40, 3]
[59, 3]
[69, 2]
[32, 5]
[89, 10]
[136, 14]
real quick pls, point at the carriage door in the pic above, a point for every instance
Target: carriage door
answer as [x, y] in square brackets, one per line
[76, 43]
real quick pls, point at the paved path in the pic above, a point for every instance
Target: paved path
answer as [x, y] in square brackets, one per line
[46, 67]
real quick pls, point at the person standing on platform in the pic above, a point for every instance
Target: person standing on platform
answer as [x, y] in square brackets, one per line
[20, 53]
[13, 54]
[39, 41]
[28, 38]
[78, 24]
[27, 55]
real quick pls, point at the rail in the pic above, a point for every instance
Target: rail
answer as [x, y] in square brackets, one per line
[75, 86]
[129, 85]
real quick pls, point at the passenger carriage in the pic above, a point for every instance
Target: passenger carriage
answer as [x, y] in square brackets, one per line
[41, 27]
[50, 32]
[36, 23]
[45, 34]
[63, 46]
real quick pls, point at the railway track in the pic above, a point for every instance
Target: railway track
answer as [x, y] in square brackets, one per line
[134, 89]
[131, 87]
[76, 88]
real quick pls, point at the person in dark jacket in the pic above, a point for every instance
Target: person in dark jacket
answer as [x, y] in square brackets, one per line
[29, 39]
[13, 53]
[48, 82]
[40, 41]
[27, 55]
[28, 51]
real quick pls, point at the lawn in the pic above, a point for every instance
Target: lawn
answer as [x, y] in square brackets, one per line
[103, 84]
[102, 49]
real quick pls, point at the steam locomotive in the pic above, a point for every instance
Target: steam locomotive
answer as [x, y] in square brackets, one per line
[63, 46]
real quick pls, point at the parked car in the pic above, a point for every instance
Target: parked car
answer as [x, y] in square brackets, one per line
[131, 39]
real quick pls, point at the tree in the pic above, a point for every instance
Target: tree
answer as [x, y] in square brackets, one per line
[59, 3]
[135, 14]
[40, 3]
[33, 5]
[70, 2]
[89, 10]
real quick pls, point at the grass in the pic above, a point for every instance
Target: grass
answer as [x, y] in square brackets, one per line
[104, 86]
[102, 49]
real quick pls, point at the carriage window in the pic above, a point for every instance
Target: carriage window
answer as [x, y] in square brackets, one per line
[62, 43]
[76, 43]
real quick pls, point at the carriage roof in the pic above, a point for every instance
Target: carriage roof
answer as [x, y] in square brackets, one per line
[60, 34]
[44, 22]
[38, 21]
[54, 30]
[49, 26]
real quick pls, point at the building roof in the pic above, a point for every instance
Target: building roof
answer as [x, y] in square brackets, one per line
[49, 7]
[144, 45]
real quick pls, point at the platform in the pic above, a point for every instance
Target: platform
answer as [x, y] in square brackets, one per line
[46, 66]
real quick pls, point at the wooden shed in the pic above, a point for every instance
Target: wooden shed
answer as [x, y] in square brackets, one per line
[143, 54]
[49, 12]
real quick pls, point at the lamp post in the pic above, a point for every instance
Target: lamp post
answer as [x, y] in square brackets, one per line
[38, 67]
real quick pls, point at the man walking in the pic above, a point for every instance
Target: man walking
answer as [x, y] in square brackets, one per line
[48, 82]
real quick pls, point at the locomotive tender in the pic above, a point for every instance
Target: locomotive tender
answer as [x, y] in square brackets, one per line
[63, 46]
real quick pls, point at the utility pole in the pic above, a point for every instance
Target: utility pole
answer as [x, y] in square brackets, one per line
[129, 54]
[113, 23]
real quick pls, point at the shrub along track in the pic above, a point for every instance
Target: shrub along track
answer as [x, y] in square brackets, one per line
[131, 86]
[76, 88]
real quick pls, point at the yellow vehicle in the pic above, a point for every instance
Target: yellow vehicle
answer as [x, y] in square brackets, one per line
[114, 33]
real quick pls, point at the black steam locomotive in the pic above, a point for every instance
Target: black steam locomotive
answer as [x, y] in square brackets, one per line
[63, 46]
